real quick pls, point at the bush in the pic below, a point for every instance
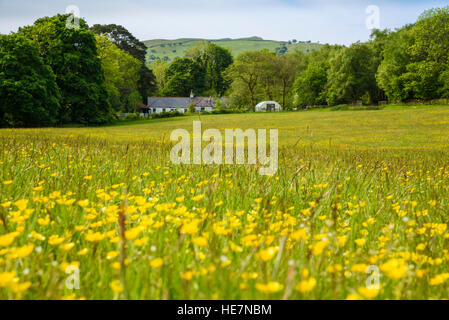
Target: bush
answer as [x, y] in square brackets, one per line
[132, 116]
[167, 114]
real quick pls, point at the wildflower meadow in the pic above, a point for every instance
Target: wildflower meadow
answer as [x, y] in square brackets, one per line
[358, 209]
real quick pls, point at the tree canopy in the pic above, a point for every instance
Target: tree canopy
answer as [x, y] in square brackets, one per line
[183, 76]
[213, 61]
[72, 55]
[127, 42]
[121, 72]
[29, 95]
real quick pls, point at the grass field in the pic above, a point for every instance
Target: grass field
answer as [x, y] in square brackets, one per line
[359, 196]
[177, 48]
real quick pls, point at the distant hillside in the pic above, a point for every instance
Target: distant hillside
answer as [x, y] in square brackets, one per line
[171, 49]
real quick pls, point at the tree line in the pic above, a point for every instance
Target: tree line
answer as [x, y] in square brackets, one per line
[407, 63]
[51, 74]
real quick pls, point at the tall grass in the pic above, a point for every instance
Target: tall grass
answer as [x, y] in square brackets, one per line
[138, 227]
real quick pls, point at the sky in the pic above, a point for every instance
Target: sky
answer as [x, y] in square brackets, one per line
[324, 21]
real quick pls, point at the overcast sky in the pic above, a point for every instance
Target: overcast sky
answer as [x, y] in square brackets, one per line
[326, 21]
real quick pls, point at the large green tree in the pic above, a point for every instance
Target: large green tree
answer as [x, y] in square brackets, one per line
[159, 67]
[391, 73]
[245, 74]
[310, 87]
[429, 53]
[72, 55]
[213, 61]
[29, 95]
[126, 41]
[183, 76]
[351, 76]
[121, 72]
[286, 67]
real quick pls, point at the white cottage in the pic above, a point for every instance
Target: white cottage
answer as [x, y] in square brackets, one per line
[268, 106]
[181, 104]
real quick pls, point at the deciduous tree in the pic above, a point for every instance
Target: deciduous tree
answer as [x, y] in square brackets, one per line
[72, 55]
[29, 95]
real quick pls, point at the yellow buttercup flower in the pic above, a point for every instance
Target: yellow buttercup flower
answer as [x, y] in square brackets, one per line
[6, 278]
[156, 263]
[394, 268]
[18, 287]
[21, 204]
[111, 255]
[133, 233]
[83, 203]
[83, 252]
[198, 197]
[22, 252]
[318, 247]
[186, 275]
[306, 285]
[7, 239]
[200, 241]
[270, 287]
[94, 236]
[55, 240]
[67, 246]
[116, 286]
[190, 227]
[369, 292]
[360, 242]
[267, 254]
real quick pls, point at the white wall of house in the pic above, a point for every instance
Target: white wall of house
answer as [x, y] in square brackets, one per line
[160, 110]
[202, 109]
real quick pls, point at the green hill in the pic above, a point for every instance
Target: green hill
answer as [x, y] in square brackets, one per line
[171, 49]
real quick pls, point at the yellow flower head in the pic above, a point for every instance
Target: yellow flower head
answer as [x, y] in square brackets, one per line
[394, 268]
[268, 254]
[306, 285]
[270, 287]
[156, 263]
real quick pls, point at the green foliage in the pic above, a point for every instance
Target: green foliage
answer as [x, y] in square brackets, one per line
[213, 61]
[29, 95]
[159, 68]
[352, 74]
[310, 87]
[390, 74]
[262, 75]
[286, 68]
[122, 38]
[245, 73]
[182, 76]
[191, 108]
[127, 42]
[121, 71]
[415, 64]
[72, 55]
[164, 114]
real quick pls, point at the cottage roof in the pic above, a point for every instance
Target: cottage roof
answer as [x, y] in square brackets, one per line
[181, 102]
